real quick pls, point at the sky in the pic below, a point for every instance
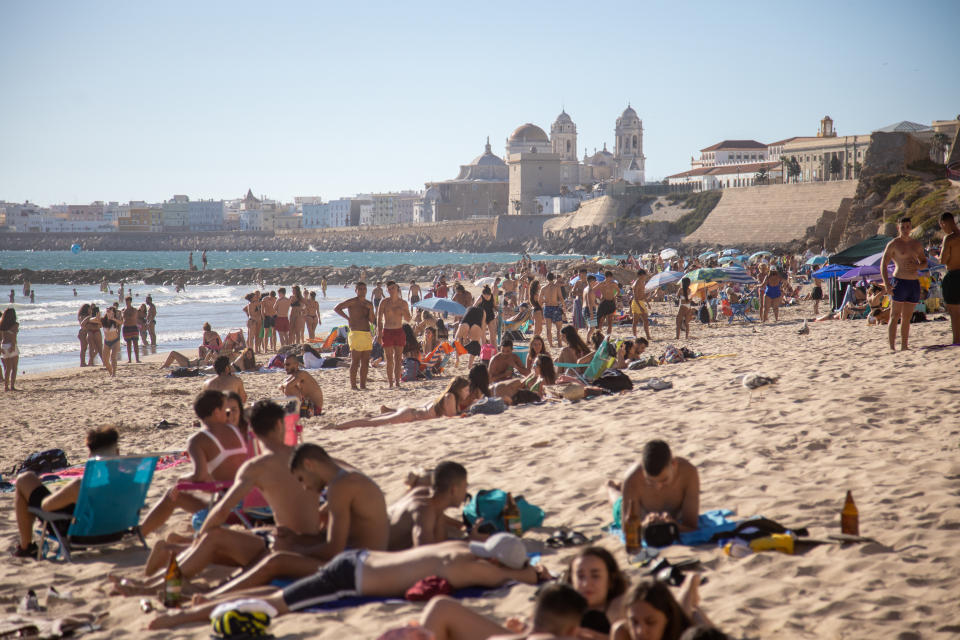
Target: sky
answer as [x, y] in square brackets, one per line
[120, 101]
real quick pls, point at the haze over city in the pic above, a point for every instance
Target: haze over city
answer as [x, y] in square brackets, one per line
[122, 101]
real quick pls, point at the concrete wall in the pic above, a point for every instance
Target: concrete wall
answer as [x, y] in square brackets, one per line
[522, 227]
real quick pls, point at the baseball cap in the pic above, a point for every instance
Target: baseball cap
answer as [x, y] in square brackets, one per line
[505, 548]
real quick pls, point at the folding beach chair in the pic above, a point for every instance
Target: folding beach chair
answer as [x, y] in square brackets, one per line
[739, 310]
[600, 362]
[107, 510]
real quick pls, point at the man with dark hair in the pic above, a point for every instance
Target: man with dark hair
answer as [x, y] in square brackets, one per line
[500, 559]
[639, 308]
[606, 294]
[301, 384]
[908, 258]
[358, 311]
[660, 488]
[503, 364]
[281, 322]
[950, 257]
[556, 614]
[32, 493]
[391, 314]
[129, 330]
[418, 517]
[552, 299]
[579, 321]
[225, 380]
[217, 451]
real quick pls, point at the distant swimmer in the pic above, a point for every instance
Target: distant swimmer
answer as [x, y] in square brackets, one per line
[908, 258]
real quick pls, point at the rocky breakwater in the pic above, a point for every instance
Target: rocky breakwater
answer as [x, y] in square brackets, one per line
[616, 238]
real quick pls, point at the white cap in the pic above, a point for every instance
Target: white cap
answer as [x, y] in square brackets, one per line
[502, 547]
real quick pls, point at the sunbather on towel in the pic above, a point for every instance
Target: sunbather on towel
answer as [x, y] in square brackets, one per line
[418, 517]
[501, 558]
[664, 488]
[30, 492]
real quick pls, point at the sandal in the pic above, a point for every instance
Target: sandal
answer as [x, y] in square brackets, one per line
[29, 552]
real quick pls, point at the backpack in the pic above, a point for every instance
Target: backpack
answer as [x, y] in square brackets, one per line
[341, 351]
[44, 462]
[411, 367]
[489, 504]
[704, 314]
[614, 380]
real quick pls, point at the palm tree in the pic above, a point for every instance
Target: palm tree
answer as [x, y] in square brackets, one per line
[794, 168]
[760, 177]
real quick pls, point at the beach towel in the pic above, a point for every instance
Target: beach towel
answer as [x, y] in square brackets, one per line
[710, 523]
[356, 601]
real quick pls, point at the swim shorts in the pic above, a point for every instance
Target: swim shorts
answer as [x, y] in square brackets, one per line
[360, 340]
[553, 313]
[393, 338]
[606, 308]
[339, 578]
[282, 324]
[131, 333]
[639, 306]
[951, 287]
[269, 321]
[906, 290]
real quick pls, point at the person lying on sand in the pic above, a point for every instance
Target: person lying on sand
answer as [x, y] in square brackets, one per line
[246, 361]
[662, 487]
[356, 509]
[302, 385]
[225, 380]
[31, 493]
[418, 517]
[217, 451]
[175, 358]
[504, 363]
[556, 614]
[629, 351]
[451, 402]
[500, 559]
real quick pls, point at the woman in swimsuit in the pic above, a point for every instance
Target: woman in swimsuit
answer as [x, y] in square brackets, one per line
[544, 374]
[297, 315]
[92, 325]
[486, 303]
[210, 343]
[685, 310]
[537, 348]
[254, 321]
[313, 313]
[452, 402]
[9, 355]
[576, 348]
[82, 334]
[537, 307]
[111, 344]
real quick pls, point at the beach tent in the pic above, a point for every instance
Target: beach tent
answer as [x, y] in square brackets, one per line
[851, 255]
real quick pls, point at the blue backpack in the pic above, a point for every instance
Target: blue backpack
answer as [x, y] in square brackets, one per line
[489, 504]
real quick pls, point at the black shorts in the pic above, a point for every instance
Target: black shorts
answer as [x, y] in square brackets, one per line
[951, 287]
[269, 321]
[339, 578]
[606, 308]
[35, 501]
[473, 348]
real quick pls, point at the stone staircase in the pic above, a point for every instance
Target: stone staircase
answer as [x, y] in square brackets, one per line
[772, 214]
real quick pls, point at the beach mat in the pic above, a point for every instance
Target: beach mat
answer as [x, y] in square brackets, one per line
[165, 462]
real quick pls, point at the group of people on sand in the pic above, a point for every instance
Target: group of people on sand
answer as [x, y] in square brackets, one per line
[101, 332]
[275, 318]
[335, 534]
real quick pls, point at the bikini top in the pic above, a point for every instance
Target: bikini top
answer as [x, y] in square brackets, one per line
[225, 453]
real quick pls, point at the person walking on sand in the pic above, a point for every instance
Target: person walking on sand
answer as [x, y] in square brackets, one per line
[950, 256]
[908, 258]
[639, 306]
[130, 330]
[606, 293]
[392, 312]
[685, 309]
[358, 312]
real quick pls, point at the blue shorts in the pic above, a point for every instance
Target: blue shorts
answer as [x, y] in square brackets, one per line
[906, 290]
[552, 313]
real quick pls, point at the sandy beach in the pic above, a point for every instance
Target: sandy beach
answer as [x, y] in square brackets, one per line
[847, 414]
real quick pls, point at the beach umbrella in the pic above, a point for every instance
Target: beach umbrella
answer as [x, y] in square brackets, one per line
[666, 254]
[483, 282]
[869, 261]
[441, 305]
[830, 271]
[857, 273]
[759, 254]
[608, 262]
[707, 255]
[730, 252]
[697, 287]
[738, 275]
[599, 276]
[706, 275]
[662, 278]
[726, 259]
[815, 260]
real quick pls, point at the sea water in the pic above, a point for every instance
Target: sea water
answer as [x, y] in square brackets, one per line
[48, 327]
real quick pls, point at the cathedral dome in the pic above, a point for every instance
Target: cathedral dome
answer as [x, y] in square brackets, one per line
[563, 118]
[488, 158]
[628, 113]
[528, 133]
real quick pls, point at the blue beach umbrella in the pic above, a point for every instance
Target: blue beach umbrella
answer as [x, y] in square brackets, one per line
[707, 255]
[441, 305]
[815, 260]
[830, 271]
[662, 278]
[599, 276]
[730, 252]
[759, 254]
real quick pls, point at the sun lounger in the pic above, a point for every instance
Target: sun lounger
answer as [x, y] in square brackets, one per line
[108, 506]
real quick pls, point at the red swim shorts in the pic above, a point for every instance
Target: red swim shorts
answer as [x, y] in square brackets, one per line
[393, 338]
[282, 324]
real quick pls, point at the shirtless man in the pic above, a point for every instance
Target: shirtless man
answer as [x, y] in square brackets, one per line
[503, 364]
[552, 301]
[510, 289]
[268, 307]
[301, 384]
[908, 258]
[358, 311]
[254, 321]
[576, 295]
[225, 380]
[151, 321]
[418, 517]
[771, 295]
[501, 558]
[590, 303]
[377, 295]
[296, 511]
[130, 330]
[391, 314]
[415, 295]
[639, 306]
[950, 256]
[217, 451]
[663, 488]
[606, 293]
[282, 323]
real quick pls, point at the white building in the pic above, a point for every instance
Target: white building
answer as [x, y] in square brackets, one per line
[114, 210]
[205, 215]
[731, 152]
[366, 214]
[556, 205]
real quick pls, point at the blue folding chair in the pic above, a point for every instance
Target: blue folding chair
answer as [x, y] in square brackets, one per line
[112, 493]
[739, 311]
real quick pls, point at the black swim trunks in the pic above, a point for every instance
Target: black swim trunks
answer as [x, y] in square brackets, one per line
[339, 578]
[906, 290]
[473, 348]
[951, 287]
[605, 308]
[35, 501]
